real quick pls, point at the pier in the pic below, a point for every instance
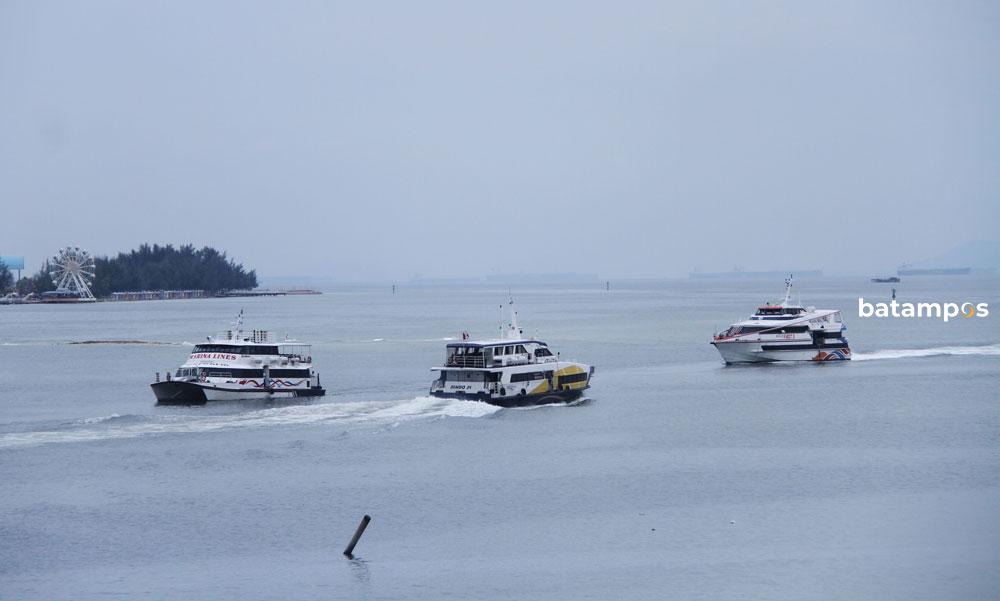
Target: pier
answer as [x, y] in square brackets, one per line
[156, 295]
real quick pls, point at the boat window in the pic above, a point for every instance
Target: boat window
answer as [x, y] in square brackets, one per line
[289, 373]
[236, 350]
[790, 330]
[462, 376]
[543, 352]
[572, 378]
[747, 329]
[527, 376]
[520, 349]
[508, 350]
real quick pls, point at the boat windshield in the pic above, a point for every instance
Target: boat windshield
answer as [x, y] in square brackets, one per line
[233, 349]
[769, 310]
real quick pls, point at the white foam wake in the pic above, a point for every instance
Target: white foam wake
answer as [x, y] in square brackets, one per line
[375, 412]
[990, 349]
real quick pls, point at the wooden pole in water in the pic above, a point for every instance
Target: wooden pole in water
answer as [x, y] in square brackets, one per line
[357, 536]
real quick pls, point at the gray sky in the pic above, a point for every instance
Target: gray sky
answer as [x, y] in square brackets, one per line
[377, 140]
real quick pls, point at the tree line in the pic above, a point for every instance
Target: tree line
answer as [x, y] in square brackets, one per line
[151, 268]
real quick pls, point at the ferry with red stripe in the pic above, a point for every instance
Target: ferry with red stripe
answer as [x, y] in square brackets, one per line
[785, 332]
[238, 366]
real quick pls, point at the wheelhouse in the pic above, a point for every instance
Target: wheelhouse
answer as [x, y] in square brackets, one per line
[495, 354]
[778, 312]
[296, 351]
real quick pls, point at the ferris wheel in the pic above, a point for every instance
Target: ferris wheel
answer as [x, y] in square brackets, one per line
[72, 268]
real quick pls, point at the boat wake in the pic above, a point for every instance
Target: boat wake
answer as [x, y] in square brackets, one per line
[115, 427]
[990, 349]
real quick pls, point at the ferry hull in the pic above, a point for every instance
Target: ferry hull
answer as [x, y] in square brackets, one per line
[523, 400]
[195, 393]
[745, 352]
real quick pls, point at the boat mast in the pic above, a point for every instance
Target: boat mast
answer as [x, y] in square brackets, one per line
[788, 291]
[238, 327]
[514, 327]
[513, 330]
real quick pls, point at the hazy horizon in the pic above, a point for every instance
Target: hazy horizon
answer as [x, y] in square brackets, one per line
[379, 142]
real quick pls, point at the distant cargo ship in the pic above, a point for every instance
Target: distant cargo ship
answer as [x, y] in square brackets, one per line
[904, 270]
[888, 280]
[739, 273]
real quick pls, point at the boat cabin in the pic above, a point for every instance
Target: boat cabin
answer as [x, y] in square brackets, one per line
[779, 310]
[288, 350]
[497, 354]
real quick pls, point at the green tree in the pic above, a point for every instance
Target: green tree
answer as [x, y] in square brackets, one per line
[168, 268]
[6, 278]
[38, 283]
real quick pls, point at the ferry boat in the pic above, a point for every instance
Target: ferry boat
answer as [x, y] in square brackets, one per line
[510, 371]
[236, 366]
[785, 332]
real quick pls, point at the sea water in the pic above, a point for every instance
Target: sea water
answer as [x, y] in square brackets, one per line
[678, 477]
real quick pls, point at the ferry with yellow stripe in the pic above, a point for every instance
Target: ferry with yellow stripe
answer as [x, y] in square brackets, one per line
[510, 371]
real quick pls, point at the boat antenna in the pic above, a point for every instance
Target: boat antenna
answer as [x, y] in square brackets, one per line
[238, 326]
[514, 326]
[788, 290]
[509, 330]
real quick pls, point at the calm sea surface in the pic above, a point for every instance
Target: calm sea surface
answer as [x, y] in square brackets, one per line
[679, 477]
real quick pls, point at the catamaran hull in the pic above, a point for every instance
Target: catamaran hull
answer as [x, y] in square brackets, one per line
[749, 352]
[195, 393]
[522, 400]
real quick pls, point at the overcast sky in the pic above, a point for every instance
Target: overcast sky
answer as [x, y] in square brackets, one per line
[379, 140]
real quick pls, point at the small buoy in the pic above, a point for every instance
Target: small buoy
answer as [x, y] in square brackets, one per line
[732, 521]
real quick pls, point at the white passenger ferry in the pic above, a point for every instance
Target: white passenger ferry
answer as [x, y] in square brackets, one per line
[785, 332]
[510, 371]
[236, 366]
